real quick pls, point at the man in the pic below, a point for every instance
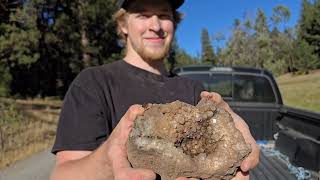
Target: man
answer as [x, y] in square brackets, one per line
[91, 141]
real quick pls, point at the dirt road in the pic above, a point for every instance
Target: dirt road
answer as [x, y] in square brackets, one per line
[37, 167]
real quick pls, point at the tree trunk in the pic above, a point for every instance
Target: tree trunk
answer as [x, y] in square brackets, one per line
[84, 43]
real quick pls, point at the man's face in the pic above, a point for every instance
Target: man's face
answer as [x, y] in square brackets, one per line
[149, 28]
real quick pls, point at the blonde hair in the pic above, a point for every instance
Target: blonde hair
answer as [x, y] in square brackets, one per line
[121, 15]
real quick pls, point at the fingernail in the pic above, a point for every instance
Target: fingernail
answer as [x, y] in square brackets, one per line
[150, 177]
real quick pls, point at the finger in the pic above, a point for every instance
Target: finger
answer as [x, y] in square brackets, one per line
[204, 94]
[252, 160]
[122, 130]
[119, 137]
[131, 114]
[217, 98]
[211, 95]
[145, 174]
[134, 174]
[241, 176]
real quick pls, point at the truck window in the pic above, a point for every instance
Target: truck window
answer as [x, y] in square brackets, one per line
[220, 83]
[248, 88]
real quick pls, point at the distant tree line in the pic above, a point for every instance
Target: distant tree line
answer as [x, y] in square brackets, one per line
[269, 43]
[44, 44]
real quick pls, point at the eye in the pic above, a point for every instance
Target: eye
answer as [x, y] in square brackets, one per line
[165, 16]
[143, 16]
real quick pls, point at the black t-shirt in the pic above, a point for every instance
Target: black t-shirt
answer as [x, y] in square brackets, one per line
[100, 96]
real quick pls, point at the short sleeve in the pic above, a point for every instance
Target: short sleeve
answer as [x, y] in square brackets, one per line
[83, 120]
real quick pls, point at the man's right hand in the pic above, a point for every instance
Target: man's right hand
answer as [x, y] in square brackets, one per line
[116, 146]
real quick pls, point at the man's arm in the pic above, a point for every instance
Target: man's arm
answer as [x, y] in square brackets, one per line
[109, 161]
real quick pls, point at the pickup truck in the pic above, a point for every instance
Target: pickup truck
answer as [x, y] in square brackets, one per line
[289, 137]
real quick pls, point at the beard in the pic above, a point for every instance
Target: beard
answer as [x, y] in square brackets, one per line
[152, 54]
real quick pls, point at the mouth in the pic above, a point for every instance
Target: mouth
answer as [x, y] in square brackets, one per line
[155, 39]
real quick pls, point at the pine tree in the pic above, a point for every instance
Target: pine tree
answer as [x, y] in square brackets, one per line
[178, 57]
[262, 37]
[207, 55]
[309, 27]
[18, 42]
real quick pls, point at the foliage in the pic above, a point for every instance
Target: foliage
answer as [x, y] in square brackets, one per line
[44, 44]
[255, 45]
[5, 80]
[18, 43]
[178, 57]
[207, 55]
[9, 113]
[309, 26]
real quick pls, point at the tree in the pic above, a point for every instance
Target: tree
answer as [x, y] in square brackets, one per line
[262, 37]
[305, 59]
[218, 37]
[261, 25]
[19, 42]
[232, 54]
[178, 57]
[309, 27]
[47, 42]
[7, 7]
[207, 55]
[280, 14]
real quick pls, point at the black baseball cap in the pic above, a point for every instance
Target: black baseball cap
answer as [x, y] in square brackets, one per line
[175, 3]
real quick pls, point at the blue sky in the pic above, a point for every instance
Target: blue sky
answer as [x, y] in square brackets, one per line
[218, 17]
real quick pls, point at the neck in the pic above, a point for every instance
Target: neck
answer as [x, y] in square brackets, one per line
[156, 67]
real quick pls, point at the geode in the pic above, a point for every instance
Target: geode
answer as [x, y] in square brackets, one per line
[181, 140]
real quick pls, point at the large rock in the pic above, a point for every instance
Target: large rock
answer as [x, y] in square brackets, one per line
[178, 139]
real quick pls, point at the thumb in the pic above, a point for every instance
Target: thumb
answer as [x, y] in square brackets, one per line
[134, 174]
[122, 130]
[204, 94]
[145, 174]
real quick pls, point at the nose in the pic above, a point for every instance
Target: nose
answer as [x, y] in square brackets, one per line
[155, 23]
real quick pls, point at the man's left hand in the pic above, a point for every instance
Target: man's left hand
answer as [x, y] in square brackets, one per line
[253, 159]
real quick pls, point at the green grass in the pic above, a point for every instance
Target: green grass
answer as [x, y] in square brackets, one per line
[301, 91]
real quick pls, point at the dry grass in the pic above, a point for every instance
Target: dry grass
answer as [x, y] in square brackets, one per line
[301, 91]
[33, 133]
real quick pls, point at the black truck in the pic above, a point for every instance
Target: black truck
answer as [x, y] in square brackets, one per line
[289, 137]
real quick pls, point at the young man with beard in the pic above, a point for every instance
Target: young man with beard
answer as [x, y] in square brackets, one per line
[101, 104]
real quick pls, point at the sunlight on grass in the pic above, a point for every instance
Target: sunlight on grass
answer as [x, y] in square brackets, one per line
[301, 91]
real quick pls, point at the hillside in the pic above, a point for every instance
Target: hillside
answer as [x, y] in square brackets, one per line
[301, 91]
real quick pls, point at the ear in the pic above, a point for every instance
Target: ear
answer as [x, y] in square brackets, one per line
[123, 26]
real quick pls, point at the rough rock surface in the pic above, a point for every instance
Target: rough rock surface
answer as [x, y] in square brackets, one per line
[178, 139]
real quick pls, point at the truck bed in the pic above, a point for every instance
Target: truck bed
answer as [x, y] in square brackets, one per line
[271, 168]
